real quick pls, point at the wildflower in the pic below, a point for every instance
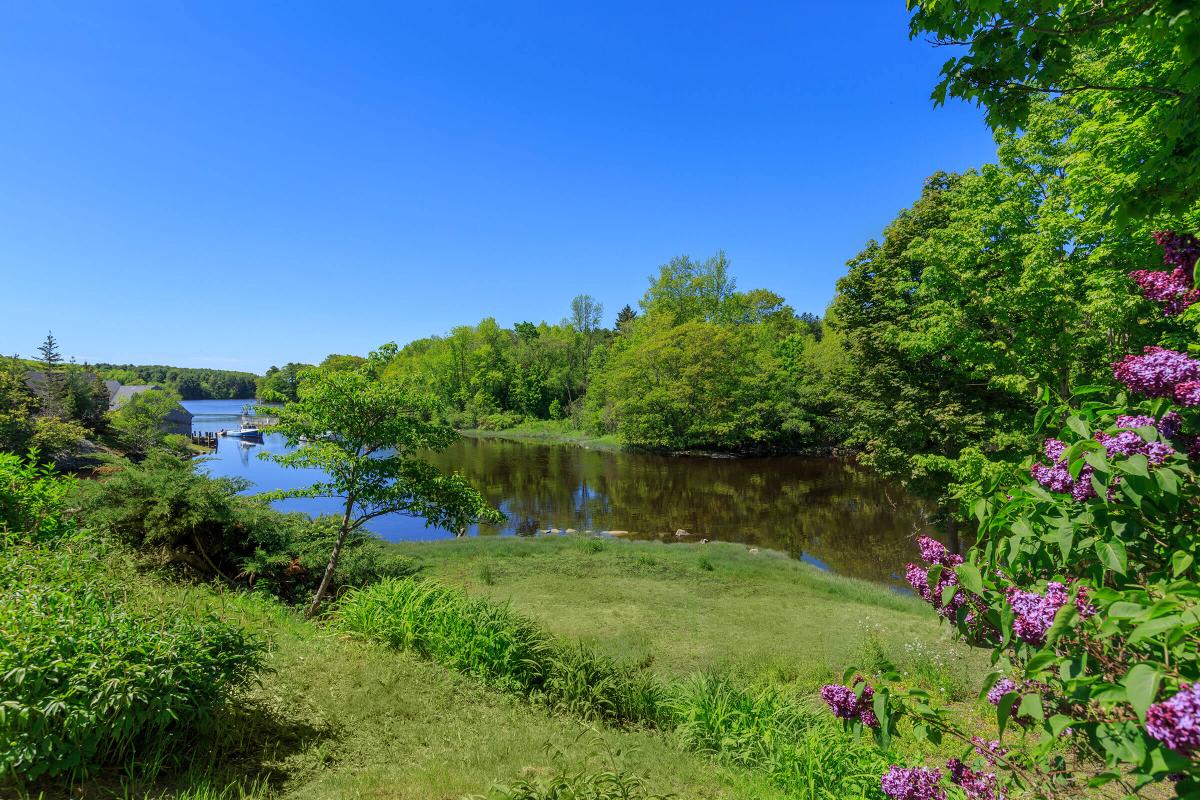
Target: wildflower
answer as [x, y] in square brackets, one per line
[1156, 372]
[912, 783]
[1176, 722]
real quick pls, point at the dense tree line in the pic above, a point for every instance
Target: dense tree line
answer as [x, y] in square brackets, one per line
[189, 382]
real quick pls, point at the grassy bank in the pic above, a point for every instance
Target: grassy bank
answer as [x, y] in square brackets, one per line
[548, 432]
[688, 607]
[430, 709]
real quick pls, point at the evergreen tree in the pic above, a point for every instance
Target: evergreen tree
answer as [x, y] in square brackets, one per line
[625, 316]
[53, 389]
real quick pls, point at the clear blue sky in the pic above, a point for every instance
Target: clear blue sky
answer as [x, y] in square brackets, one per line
[240, 184]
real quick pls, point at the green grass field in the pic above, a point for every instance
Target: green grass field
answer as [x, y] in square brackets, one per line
[689, 607]
[338, 717]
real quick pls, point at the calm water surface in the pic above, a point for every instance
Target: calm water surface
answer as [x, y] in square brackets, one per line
[826, 511]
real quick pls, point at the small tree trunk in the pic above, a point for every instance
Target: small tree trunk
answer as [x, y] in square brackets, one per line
[333, 559]
[955, 543]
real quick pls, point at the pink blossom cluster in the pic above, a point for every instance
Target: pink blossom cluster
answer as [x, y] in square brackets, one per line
[913, 783]
[1034, 613]
[1161, 372]
[1176, 721]
[846, 704]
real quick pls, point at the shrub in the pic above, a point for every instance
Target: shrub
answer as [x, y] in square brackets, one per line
[88, 680]
[32, 498]
[1083, 584]
[165, 510]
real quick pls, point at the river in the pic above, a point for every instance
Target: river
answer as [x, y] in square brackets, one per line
[826, 511]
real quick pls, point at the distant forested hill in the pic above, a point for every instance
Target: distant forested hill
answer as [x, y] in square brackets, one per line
[191, 383]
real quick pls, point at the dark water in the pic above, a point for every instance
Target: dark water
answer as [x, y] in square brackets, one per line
[826, 511]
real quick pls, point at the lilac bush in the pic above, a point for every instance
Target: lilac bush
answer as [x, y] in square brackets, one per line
[1083, 585]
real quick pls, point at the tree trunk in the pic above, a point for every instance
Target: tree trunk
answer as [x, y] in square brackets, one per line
[333, 559]
[955, 543]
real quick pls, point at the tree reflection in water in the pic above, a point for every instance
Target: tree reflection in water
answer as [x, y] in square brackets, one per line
[825, 510]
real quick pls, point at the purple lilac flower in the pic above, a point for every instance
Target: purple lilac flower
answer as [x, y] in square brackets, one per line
[1035, 612]
[913, 783]
[975, 785]
[1157, 371]
[1180, 250]
[1085, 608]
[1173, 289]
[1128, 443]
[999, 689]
[1176, 722]
[1170, 425]
[1131, 421]
[990, 750]
[1187, 393]
[846, 704]
[935, 552]
[1057, 476]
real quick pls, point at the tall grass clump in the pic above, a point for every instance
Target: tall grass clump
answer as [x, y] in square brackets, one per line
[474, 636]
[482, 638]
[768, 731]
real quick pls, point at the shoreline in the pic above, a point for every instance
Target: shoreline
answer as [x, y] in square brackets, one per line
[547, 435]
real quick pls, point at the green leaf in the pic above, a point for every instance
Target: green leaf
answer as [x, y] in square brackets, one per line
[1180, 561]
[1141, 686]
[1096, 460]
[969, 578]
[1112, 555]
[1136, 464]
[1123, 609]
[1004, 710]
[1167, 480]
[1062, 622]
[1031, 706]
[1079, 426]
[1154, 627]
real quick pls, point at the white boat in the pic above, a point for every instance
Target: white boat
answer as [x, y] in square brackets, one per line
[245, 432]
